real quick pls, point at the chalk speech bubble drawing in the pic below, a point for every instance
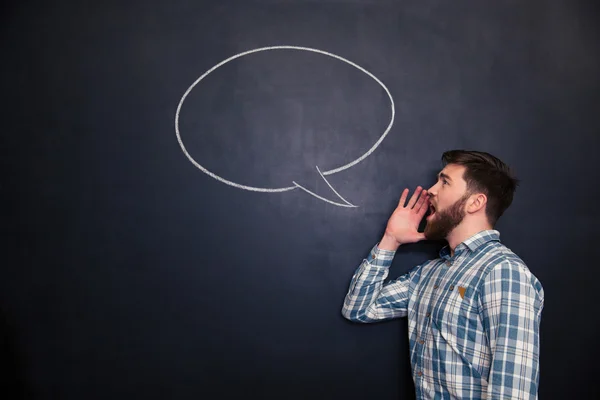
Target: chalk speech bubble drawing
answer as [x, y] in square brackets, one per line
[321, 173]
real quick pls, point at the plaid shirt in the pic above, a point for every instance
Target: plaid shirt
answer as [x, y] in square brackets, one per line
[473, 318]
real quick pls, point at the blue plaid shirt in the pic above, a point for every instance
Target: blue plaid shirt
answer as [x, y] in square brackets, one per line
[473, 318]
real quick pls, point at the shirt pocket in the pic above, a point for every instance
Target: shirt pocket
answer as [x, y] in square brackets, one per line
[463, 313]
[460, 327]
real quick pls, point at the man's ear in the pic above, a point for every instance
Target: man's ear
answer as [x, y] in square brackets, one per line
[476, 202]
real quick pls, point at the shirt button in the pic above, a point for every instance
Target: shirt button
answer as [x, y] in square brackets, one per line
[419, 373]
[421, 341]
[435, 286]
[448, 263]
[374, 256]
[428, 314]
[452, 287]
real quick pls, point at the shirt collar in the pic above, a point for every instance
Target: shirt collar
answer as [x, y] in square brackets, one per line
[473, 242]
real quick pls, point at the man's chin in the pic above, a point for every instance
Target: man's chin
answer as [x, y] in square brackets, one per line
[430, 236]
[431, 233]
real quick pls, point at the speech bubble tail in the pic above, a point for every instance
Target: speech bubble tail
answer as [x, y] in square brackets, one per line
[345, 204]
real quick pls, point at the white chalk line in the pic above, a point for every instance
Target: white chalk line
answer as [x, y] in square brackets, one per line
[329, 172]
[322, 198]
[334, 191]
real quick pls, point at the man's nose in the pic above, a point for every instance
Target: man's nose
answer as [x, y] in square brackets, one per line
[432, 191]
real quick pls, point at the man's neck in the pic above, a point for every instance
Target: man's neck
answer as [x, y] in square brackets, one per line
[462, 232]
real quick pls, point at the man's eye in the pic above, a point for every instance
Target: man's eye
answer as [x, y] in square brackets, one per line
[445, 181]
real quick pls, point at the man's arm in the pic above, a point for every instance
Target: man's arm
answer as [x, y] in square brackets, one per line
[368, 299]
[510, 307]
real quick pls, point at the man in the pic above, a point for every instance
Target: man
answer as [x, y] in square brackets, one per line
[473, 313]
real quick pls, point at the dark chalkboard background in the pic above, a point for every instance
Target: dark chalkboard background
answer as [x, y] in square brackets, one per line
[128, 273]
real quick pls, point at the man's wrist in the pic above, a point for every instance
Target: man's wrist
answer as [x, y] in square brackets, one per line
[388, 243]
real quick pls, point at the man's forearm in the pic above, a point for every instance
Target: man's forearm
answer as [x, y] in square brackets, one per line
[368, 299]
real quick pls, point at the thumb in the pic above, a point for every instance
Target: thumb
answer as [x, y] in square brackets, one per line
[420, 236]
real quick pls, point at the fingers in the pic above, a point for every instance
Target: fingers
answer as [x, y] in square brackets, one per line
[403, 198]
[423, 203]
[414, 197]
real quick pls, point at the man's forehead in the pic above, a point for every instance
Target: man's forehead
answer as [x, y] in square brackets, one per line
[454, 171]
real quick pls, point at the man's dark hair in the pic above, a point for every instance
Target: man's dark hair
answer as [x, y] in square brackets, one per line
[486, 174]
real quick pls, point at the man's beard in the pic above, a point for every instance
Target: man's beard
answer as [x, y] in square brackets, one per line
[445, 221]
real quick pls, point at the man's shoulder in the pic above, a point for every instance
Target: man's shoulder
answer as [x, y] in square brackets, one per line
[485, 257]
[500, 262]
[498, 255]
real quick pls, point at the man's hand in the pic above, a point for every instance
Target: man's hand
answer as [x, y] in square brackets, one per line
[403, 225]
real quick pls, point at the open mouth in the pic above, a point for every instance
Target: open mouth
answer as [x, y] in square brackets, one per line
[431, 211]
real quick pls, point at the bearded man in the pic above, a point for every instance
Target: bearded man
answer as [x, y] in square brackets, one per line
[474, 313]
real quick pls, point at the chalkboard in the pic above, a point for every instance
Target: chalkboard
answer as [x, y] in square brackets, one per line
[141, 261]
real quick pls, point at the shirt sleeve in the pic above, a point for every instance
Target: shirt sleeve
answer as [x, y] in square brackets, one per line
[510, 307]
[368, 299]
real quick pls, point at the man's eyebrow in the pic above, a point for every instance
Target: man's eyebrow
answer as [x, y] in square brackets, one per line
[443, 175]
